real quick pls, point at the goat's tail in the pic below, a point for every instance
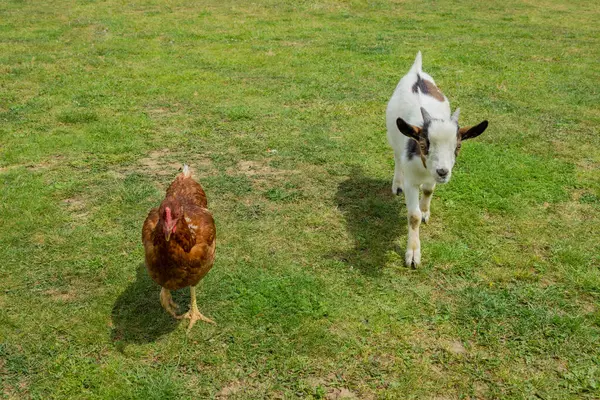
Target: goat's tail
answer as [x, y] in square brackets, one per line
[187, 172]
[418, 64]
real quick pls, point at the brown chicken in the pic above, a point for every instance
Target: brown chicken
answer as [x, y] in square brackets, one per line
[179, 239]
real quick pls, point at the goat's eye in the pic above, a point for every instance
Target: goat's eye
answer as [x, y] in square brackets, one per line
[424, 145]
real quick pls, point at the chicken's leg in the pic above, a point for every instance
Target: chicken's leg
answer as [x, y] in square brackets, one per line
[194, 314]
[167, 302]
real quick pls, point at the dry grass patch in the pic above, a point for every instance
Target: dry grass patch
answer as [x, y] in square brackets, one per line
[76, 207]
[157, 163]
[60, 295]
[230, 390]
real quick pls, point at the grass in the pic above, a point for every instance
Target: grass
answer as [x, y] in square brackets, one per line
[279, 108]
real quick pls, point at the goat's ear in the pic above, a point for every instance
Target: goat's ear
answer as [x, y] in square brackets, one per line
[426, 117]
[408, 130]
[455, 116]
[472, 131]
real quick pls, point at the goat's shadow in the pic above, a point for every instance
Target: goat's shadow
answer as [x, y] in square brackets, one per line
[373, 218]
[137, 315]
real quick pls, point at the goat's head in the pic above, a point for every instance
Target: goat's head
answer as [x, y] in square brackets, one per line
[439, 141]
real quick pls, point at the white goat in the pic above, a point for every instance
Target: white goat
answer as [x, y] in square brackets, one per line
[426, 140]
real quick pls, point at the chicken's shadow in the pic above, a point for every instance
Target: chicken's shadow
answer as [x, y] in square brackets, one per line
[137, 315]
[374, 219]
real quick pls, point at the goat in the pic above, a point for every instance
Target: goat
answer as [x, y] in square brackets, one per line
[426, 140]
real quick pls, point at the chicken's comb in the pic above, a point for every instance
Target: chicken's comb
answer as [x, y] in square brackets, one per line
[168, 217]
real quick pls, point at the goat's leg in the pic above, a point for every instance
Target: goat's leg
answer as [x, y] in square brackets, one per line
[413, 246]
[425, 202]
[398, 183]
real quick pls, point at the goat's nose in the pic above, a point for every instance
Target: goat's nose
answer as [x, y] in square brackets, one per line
[442, 172]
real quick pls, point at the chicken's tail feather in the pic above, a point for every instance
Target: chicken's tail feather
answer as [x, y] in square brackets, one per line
[187, 172]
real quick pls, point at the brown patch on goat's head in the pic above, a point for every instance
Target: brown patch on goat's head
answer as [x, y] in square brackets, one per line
[424, 145]
[414, 221]
[423, 151]
[420, 143]
[458, 144]
[428, 88]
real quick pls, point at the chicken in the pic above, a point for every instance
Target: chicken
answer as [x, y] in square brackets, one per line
[179, 239]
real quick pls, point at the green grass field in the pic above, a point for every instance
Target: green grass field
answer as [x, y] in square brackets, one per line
[279, 107]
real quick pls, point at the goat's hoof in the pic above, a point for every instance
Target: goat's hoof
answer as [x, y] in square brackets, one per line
[413, 258]
[396, 188]
[425, 217]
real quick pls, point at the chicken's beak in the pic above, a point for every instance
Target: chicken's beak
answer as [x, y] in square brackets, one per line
[170, 228]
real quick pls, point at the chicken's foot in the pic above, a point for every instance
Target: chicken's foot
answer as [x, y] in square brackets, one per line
[194, 314]
[167, 302]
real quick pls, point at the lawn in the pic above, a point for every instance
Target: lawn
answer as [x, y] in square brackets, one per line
[279, 108]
